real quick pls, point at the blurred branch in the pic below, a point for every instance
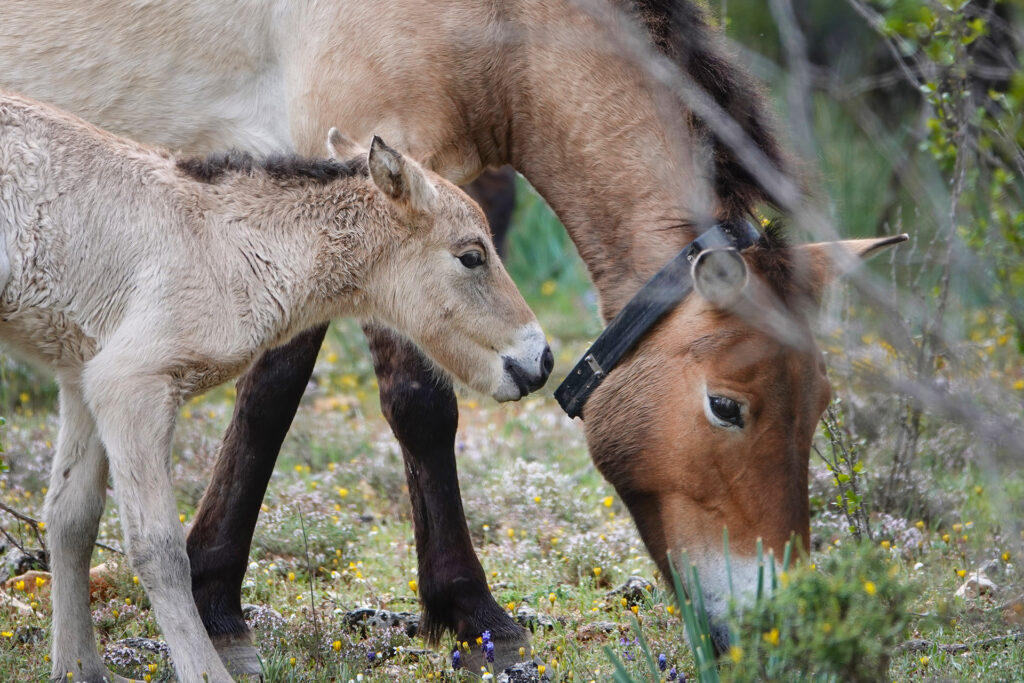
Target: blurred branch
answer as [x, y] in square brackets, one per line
[800, 80]
[32, 522]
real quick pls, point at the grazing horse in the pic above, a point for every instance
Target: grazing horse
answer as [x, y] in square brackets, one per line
[707, 423]
[143, 279]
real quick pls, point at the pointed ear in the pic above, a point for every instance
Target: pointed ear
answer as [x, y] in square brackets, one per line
[399, 178]
[826, 261]
[341, 146]
[719, 276]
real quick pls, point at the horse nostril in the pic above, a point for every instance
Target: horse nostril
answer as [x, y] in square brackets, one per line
[547, 362]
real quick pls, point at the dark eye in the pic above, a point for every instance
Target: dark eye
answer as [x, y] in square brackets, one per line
[472, 259]
[726, 410]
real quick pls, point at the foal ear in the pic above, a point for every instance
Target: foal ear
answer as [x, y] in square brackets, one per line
[399, 178]
[826, 261]
[341, 146]
[719, 276]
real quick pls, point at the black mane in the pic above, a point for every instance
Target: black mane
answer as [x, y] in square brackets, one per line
[681, 32]
[215, 167]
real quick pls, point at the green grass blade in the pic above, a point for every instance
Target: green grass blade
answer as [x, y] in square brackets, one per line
[620, 675]
[651, 664]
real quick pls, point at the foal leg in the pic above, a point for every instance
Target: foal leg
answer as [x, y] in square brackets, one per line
[218, 543]
[74, 505]
[135, 418]
[453, 588]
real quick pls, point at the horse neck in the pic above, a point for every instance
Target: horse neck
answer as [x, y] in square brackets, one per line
[606, 146]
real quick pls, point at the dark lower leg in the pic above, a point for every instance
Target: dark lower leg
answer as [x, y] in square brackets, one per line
[495, 191]
[424, 417]
[218, 543]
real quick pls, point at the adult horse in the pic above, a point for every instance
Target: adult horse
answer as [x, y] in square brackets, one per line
[707, 423]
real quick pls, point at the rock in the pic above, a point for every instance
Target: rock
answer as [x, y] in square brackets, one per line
[597, 629]
[976, 585]
[261, 618]
[523, 672]
[29, 634]
[368, 617]
[131, 656]
[13, 602]
[531, 619]
[636, 590]
[31, 584]
[101, 581]
[16, 562]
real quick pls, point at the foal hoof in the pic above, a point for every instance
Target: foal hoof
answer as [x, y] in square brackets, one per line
[239, 655]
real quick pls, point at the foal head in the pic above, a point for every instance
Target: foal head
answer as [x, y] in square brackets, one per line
[711, 425]
[443, 285]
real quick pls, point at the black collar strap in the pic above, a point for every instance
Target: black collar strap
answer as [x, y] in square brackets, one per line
[668, 287]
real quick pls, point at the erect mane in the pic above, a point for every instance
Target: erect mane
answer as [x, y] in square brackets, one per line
[218, 165]
[772, 257]
[681, 32]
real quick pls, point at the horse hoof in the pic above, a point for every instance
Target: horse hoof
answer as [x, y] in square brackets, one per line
[239, 655]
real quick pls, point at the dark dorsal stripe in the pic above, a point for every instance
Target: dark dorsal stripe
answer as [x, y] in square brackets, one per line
[219, 165]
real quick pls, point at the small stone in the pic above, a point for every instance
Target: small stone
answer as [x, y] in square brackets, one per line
[975, 585]
[380, 619]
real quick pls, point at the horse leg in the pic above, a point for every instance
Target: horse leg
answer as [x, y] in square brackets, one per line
[453, 588]
[218, 543]
[134, 412]
[495, 191]
[74, 506]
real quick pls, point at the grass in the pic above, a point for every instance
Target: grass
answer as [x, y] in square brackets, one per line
[335, 533]
[550, 533]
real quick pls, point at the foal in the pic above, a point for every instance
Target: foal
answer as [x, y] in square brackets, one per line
[142, 279]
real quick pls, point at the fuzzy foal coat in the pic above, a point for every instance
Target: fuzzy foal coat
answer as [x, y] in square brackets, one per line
[142, 279]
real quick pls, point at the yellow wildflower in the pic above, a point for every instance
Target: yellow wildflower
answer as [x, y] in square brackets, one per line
[870, 588]
[771, 637]
[736, 654]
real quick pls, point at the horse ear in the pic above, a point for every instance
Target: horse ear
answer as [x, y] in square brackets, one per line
[399, 178]
[826, 261]
[341, 146]
[719, 276]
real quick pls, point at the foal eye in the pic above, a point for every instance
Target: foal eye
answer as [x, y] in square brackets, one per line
[472, 259]
[726, 410]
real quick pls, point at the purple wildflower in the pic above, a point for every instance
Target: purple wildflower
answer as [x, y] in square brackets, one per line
[489, 651]
[662, 662]
[456, 659]
[486, 637]
[672, 674]
[370, 656]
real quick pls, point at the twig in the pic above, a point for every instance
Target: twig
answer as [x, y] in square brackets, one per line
[35, 524]
[918, 645]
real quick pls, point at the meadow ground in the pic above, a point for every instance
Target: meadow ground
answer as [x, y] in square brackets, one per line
[335, 536]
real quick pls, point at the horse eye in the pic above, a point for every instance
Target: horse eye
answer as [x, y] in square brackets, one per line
[472, 259]
[726, 410]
